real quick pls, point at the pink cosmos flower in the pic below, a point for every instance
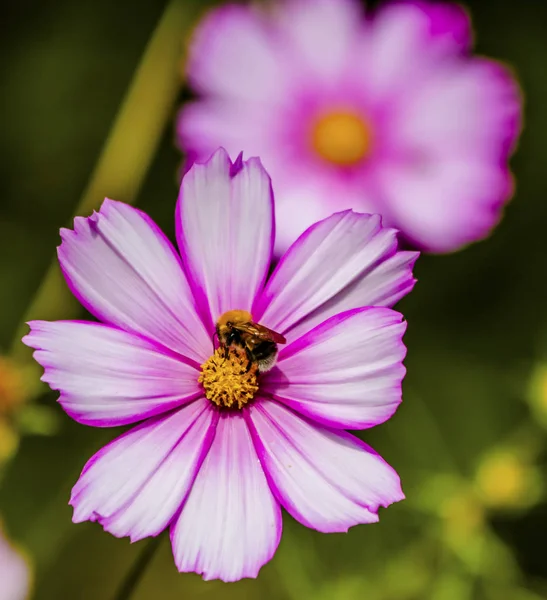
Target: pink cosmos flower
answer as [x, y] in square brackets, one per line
[220, 447]
[385, 114]
[14, 573]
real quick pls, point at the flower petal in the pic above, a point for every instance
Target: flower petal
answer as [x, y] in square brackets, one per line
[346, 372]
[230, 524]
[313, 195]
[136, 484]
[327, 480]
[343, 262]
[448, 203]
[233, 55]
[319, 35]
[207, 124]
[469, 109]
[406, 40]
[125, 271]
[107, 376]
[455, 134]
[14, 573]
[225, 231]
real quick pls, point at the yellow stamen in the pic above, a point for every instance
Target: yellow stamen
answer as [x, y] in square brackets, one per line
[342, 137]
[228, 379]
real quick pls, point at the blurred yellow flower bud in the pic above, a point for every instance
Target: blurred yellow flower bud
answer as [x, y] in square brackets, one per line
[12, 387]
[504, 480]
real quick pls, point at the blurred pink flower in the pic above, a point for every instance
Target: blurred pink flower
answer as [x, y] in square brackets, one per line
[14, 573]
[216, 475]
[386, 113]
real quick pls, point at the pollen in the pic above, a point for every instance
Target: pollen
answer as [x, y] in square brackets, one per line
[229, 379]
[342, 137]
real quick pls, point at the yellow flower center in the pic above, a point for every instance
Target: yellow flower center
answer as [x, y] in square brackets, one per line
[229, 380]
[342, 137]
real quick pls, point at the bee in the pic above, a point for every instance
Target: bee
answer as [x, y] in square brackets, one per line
[236, 328]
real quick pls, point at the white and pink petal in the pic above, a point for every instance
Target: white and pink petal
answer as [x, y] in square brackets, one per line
[328, 270]
[447, 203]
[468, 109]
[225, 231]
[125, 271]
[346, 372]
[108, 376]
[406, 41]
[234, 55]
[309, 194]
[327, 480]
[206, 124]
[15, 574]
[318, 37]
[135, 485]
[230, 524]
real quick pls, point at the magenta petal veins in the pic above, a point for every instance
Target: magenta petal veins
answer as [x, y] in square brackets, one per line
[231, 524]
[125, 271]
[136, 484]
[107, 376]
[225, 231]
[343, 262]
[326, 480]
[346, 372]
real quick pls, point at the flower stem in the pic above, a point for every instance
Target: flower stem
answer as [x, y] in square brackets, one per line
[128, 150]
[133, 577]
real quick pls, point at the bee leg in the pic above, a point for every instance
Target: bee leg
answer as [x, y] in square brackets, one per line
[250, 359]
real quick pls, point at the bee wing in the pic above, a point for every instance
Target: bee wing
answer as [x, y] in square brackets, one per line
[261, 332]
[276, 337]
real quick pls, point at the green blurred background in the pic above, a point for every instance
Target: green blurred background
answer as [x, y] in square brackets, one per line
[469, 439]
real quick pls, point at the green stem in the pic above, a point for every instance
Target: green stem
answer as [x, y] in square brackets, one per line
[136, 572]
[128, 151]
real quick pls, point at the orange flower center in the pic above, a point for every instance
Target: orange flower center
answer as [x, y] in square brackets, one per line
[342, 137]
